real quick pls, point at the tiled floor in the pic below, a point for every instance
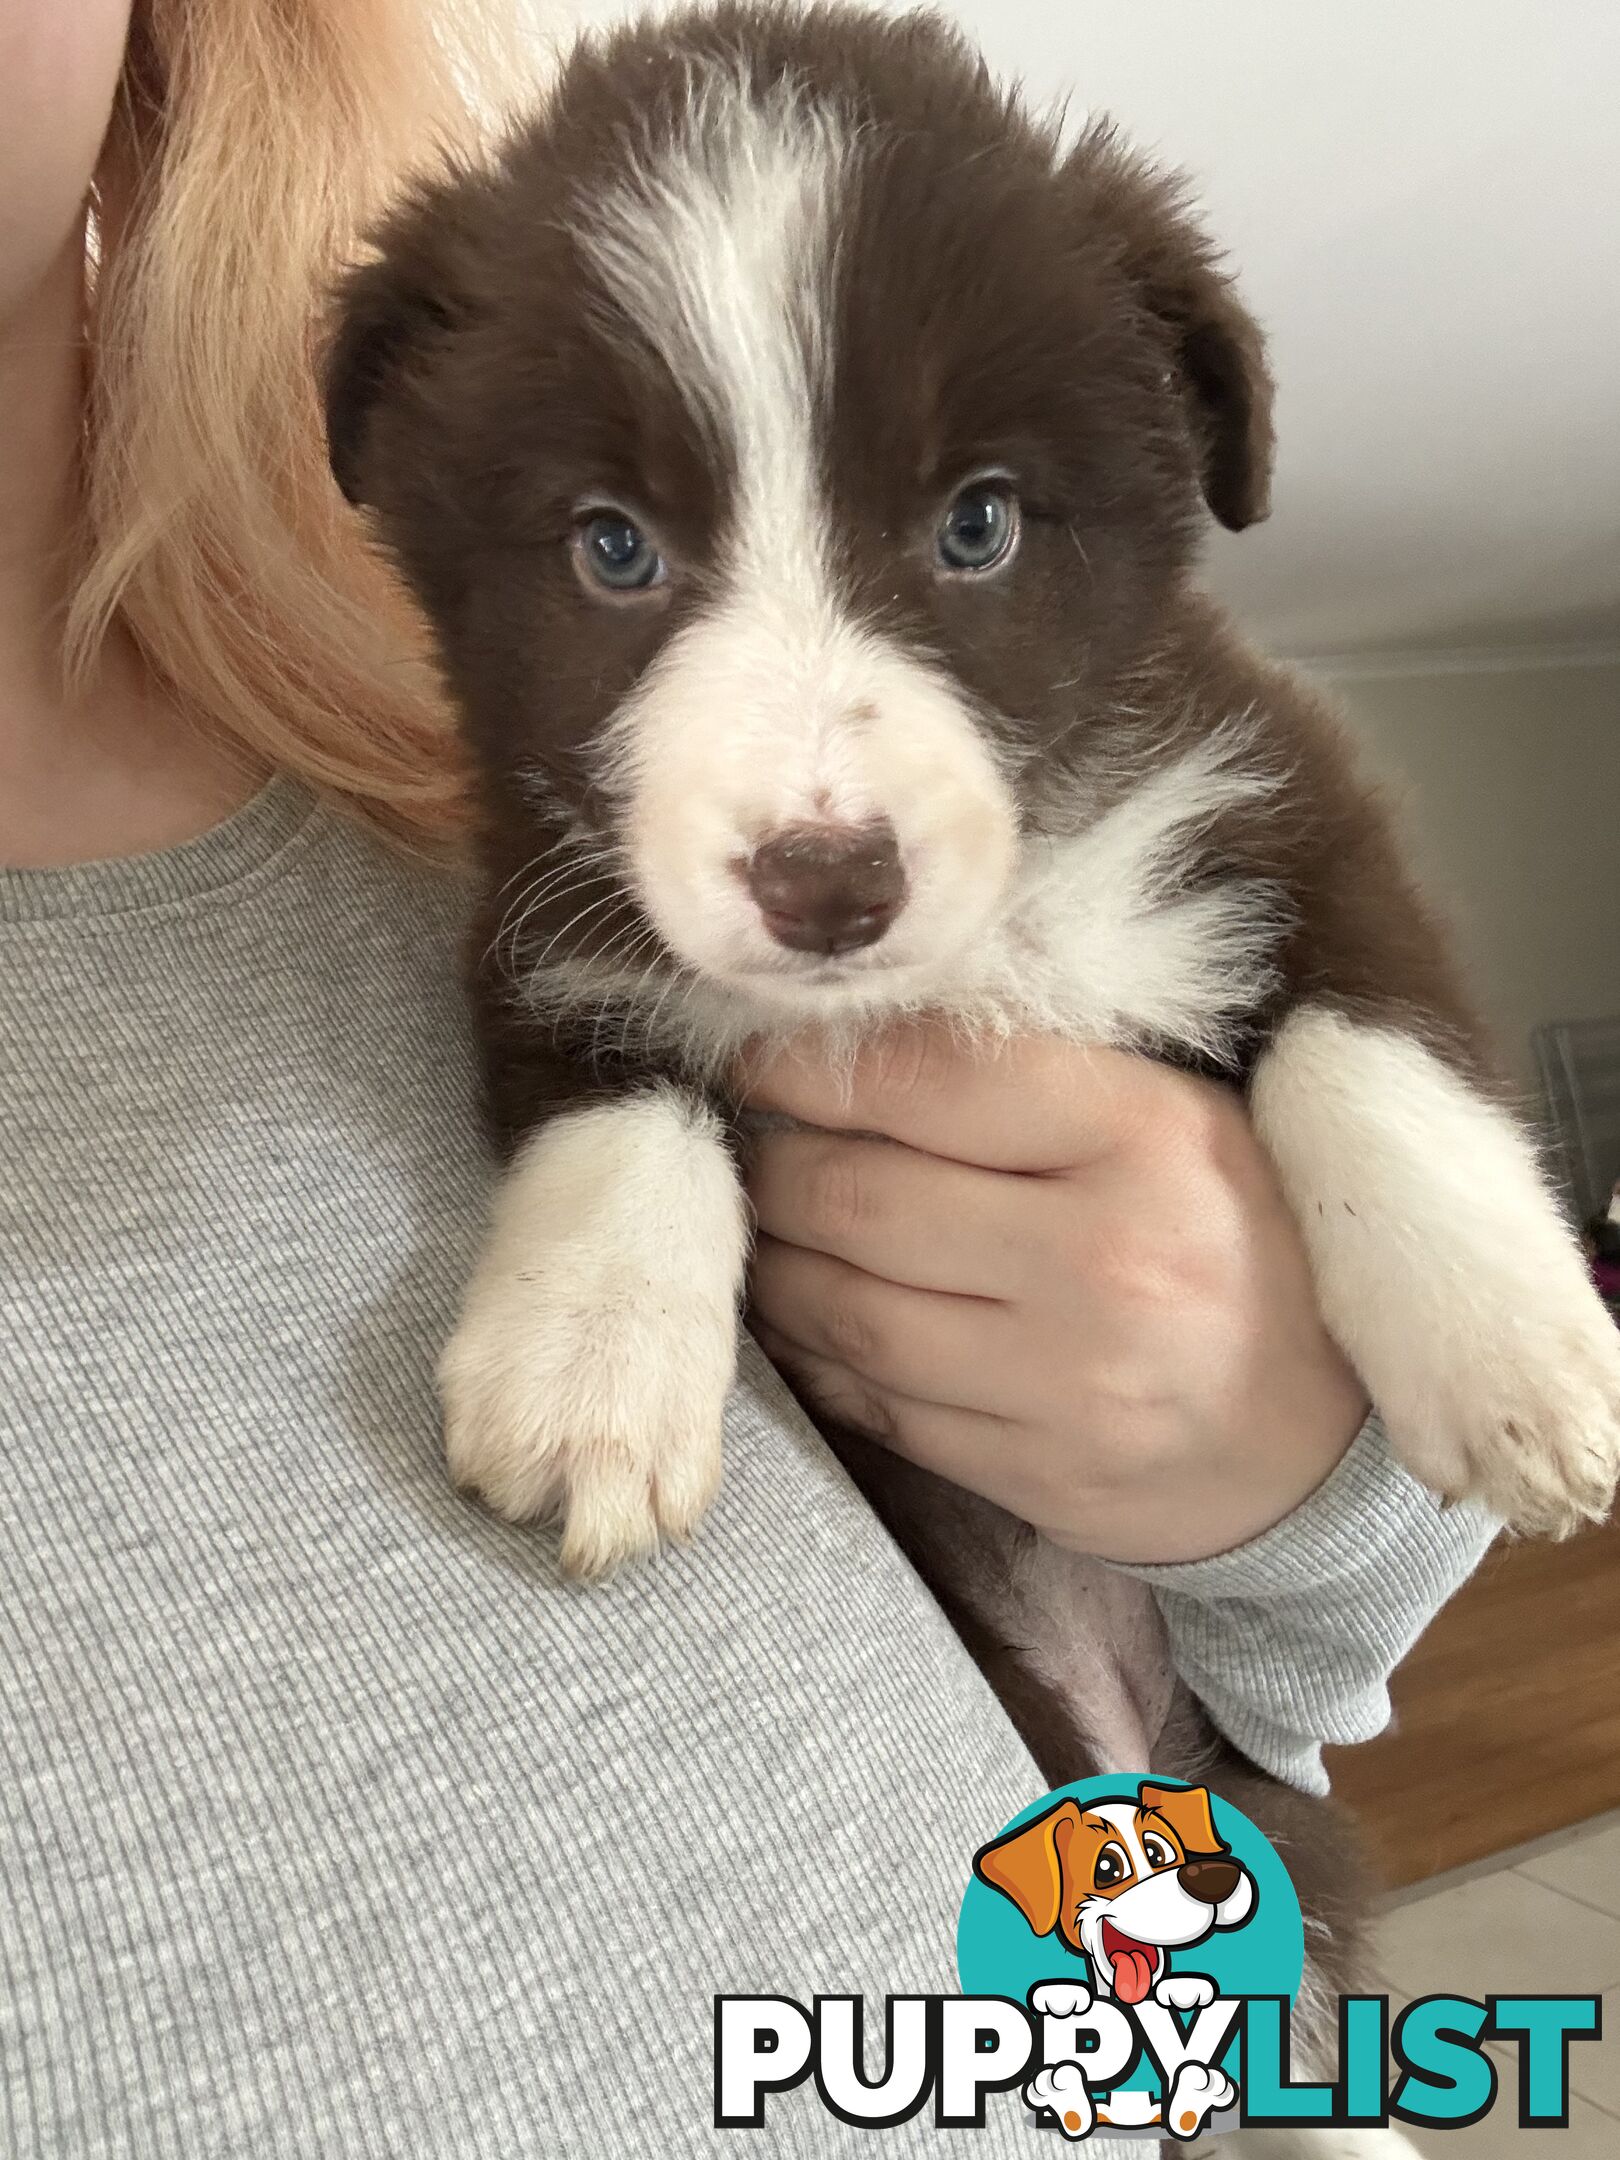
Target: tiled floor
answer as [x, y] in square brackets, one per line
[1545, 1920]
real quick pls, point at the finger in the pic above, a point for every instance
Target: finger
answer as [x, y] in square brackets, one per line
[965, 1446]
[916, 1342]
[912, 1218]
[830, 1390]
[1032, 1103]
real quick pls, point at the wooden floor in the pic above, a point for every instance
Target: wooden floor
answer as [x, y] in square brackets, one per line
[1508, 1714]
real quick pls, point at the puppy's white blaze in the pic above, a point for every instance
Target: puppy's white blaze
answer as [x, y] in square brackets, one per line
[598, 1337]
[719, 247]
[773, 708]
[1444, 1270]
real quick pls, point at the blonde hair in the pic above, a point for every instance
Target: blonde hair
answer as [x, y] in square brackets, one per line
[251, 142]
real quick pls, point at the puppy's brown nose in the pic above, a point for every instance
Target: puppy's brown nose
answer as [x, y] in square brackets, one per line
[1210, 1881]
[828, 888]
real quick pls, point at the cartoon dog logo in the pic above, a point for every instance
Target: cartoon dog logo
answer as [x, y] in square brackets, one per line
[1123, 1882]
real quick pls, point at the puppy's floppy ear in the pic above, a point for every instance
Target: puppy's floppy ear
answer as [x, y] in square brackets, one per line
[1188, 1813]
[1215, 345]
[1027, 1865]
[387, 314]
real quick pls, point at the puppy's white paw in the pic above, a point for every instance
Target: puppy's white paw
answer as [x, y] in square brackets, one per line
[1538, 1441]
[588, 1376]
[610, 1419]
[1445, 1270]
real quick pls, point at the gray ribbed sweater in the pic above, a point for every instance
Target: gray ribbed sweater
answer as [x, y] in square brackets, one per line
[332, 1822]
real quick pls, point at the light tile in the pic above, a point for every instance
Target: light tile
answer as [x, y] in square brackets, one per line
[1594, 2065]
[1591, 2135]
[1505, 1934]
[1587, 1868]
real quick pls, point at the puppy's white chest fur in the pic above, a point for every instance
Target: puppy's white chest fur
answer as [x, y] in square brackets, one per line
[1106, 940]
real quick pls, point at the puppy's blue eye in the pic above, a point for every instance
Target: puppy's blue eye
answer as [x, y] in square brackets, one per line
[618, 554]
[980, 528]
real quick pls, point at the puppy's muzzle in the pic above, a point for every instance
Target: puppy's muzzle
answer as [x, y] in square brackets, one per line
[1210, 1881]
[828, 888]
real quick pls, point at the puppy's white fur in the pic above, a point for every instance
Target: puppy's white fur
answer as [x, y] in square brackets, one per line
[719, 246]
[761, 715]
[590, 1367]
[1101, 941]
[1444, 1270]
[1096, 938]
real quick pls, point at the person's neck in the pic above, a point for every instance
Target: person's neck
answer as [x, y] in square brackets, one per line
[106, 768]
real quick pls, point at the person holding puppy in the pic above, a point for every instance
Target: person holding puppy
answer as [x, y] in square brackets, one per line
[336, 1821]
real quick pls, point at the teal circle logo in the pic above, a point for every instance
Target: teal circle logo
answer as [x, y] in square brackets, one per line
[1138, 1895]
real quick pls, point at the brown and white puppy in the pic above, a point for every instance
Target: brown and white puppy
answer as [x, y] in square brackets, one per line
[800, 454]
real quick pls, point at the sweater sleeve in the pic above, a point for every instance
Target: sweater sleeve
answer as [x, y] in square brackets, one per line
[1290, 1640]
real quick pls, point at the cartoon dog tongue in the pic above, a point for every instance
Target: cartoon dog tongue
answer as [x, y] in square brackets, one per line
[1133, 1962]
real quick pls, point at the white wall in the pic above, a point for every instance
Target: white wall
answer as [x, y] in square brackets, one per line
[1510, 777]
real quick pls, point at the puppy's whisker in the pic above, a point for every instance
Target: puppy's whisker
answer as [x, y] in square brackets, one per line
[527, 904]
[570, 876]
[515, 964]
[574, 923]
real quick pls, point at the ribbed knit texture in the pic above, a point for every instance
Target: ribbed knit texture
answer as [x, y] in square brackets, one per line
[1291, 1640]
[332, 1821]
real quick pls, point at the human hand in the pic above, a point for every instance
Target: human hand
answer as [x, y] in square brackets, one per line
[1062, 1277]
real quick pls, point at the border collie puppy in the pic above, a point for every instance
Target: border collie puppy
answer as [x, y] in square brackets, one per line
[800, 456]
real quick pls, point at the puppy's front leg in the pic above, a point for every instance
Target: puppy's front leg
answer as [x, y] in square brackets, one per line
[589, 1371]
[1444, 1269]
